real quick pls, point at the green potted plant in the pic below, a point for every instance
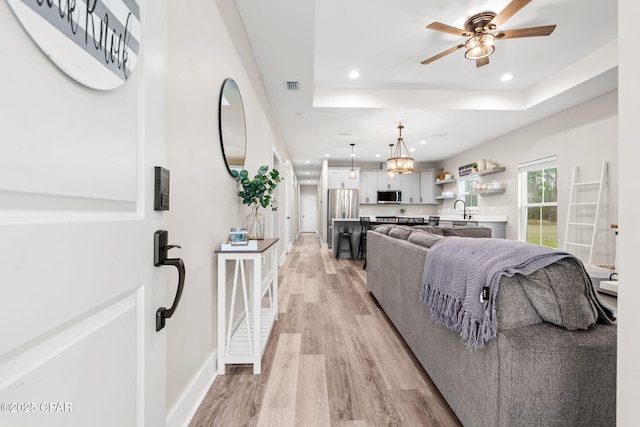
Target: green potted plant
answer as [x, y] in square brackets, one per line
[257, 192]
[474, 167]
[402, 211]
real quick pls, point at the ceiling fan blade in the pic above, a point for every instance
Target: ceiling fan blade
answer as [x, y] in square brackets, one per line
[526, 32]
[439, 26]
[441, 54]
[482, 61]
[506, 13]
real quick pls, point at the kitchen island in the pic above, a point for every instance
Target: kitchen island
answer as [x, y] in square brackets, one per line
[497, 224]
[336, 223]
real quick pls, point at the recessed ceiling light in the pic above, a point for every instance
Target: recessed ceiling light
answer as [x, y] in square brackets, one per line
[377, 155]
[423, 142]
[326, 155]
[412, 149]
[506, 77]
[307, 161]
[308, 173]
[354, 74]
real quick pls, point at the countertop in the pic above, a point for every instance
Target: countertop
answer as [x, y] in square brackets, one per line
[474, 218]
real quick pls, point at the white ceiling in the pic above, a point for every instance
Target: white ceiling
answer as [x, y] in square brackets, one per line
[450, 104]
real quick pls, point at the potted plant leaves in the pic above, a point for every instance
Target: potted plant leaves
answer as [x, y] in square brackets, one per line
[257, 193]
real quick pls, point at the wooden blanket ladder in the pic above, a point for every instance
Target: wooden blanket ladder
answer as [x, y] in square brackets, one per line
[583, 212]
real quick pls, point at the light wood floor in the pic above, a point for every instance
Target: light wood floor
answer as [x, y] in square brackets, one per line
[333, 358]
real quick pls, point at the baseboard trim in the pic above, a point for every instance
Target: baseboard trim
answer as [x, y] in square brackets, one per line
[185, 408]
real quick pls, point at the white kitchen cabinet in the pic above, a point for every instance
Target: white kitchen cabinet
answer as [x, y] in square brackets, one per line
[410, 186]
[384, 183]
[339, 178]
[368, 188]
[428, 188]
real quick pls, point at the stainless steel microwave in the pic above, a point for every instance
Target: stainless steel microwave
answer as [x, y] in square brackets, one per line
[389, 196]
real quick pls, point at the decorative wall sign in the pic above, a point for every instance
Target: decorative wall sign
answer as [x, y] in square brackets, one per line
[465, 170]
[95, 42]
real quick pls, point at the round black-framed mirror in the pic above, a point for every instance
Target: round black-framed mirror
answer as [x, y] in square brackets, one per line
[232, 126]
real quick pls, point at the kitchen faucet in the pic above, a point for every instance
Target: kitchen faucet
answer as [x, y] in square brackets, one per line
[464, 208]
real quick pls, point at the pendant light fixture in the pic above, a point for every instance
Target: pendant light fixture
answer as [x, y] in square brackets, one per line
[400, 162]
[352, 172]
[391, 174]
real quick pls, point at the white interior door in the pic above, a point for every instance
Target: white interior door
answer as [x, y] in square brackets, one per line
[79, 290]
[308, 211]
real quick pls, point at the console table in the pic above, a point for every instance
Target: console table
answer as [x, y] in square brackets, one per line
[239, 343]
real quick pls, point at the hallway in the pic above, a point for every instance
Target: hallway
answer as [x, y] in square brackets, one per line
[333, 358]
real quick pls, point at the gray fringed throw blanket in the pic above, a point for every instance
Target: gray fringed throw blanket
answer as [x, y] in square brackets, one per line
[461, 276]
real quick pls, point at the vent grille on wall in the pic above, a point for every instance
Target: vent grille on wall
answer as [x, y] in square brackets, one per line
[292, 85]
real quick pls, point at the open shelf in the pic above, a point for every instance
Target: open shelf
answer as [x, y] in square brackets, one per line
[488, 192]
[453, 196]
[240, 347]
[485, 172]
[446, 181]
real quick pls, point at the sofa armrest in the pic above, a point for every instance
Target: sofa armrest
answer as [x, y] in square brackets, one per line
[547, 371]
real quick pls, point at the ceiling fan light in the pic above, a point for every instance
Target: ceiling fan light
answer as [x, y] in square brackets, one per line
[480, 46]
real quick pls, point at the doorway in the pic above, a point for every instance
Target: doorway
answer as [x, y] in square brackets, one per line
[308, 213]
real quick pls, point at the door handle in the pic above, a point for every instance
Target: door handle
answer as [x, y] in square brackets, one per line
[160, 252]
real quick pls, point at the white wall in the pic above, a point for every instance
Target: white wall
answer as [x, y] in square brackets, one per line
[582, 136]
[308, 190]
[206, 44]
[628, 395]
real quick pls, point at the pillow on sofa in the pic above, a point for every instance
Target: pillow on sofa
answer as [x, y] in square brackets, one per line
[424, 239]
[468, 231]
[400, 232]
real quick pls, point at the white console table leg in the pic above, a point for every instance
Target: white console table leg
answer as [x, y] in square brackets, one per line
[257, 303]
[222, 300]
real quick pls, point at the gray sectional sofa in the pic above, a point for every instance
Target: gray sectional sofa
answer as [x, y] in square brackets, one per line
[533, 373]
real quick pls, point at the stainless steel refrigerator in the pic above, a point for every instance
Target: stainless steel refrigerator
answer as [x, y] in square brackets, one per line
[341, 203]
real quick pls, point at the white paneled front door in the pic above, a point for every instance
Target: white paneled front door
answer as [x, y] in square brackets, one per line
[79, 292]
[308, 211]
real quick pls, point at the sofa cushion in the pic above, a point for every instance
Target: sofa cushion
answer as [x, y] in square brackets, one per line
[430, 229]
[382, 229]
[467, 231]
[425, 239]
[400, 233]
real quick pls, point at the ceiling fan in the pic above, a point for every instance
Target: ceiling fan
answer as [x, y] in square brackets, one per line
[482, 32]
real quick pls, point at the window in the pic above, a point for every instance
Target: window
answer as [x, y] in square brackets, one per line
[464, 191]
[538, 195]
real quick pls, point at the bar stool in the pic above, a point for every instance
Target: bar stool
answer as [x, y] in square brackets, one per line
[345, 232]
[365, 223]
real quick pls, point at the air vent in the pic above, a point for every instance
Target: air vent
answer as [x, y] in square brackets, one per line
[292, 85]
